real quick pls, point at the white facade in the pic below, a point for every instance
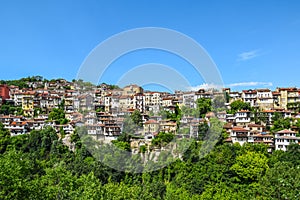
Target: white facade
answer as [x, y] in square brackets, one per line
[284, 138]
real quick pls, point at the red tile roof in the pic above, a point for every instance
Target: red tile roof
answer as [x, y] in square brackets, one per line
[286, 131]
[239, 129]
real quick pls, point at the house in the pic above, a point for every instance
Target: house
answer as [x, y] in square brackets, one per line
[18, 128]
[115, 103]
[239, 135]
[125, 103]
[132, 89]
[67, 128]
[107, 103]
[284, 138]
[189, 99]
[139, 102]
[262, 137]
[265, 99]
[234, 96]
[109, 124]
[167, 101]
[194, 127]
[202, 93]
[167, 126]
[221, 115]
[28, 103]
[151, 127]
[257, 128]
[153, 100]
[250, 96]
[4, 92]
[276, 100]
[288, 95]
[36, 123]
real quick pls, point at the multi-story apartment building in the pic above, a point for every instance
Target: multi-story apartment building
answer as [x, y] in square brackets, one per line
[4, 92]
[189, 99]
[28, 103]
[288, 95]
[153, 101]
[139, 102]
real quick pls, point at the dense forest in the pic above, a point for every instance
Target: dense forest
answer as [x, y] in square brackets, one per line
[39, 166]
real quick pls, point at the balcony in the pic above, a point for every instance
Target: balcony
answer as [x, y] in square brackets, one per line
[241, 135]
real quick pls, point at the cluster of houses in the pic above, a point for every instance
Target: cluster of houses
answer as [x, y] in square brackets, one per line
[242, 131]
[102, 110]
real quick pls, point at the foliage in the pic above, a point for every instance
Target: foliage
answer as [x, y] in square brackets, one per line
[162, 139]
[8, 108]
[239, 105]
[204, 105]
[187, 111]
[280, 123]
[58, 115]
[136, 117]
[250, 166]
[259, 117]
[4, 138]
[202, 130]
[294, 106]
[39, 166]
[218, 103]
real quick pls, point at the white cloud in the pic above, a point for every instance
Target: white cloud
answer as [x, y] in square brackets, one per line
[246, 84]
[205, 86]
[248, 55]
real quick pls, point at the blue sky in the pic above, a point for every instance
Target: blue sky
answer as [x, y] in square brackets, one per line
[255, 44]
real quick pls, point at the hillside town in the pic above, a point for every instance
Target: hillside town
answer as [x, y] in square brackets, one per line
[265, 116]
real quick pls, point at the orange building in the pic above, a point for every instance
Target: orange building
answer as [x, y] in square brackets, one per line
[4, 92]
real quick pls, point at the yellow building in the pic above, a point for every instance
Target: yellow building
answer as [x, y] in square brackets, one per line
[287, 95]
[28, 103]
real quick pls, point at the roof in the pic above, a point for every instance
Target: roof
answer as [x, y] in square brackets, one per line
[288, 89]
[263, 136]
[289, 137]
[227, 126]
[249, 91]
[255, 125]
[151, 121]
[269, 111]
[263, 90]
[244, 111]
[239, 129]
[286, 131]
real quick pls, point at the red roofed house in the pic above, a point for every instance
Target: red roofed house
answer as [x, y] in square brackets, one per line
[150, 127]
[284, 138]
[239, 134]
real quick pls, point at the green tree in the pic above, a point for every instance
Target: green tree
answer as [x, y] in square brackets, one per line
[239, 105]
[137, 118]
[204, 105]
[202, 130]
[281, 182]
[4, 138]
[58, 115]
[280, 123]
[250, 166]
[162, 139]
